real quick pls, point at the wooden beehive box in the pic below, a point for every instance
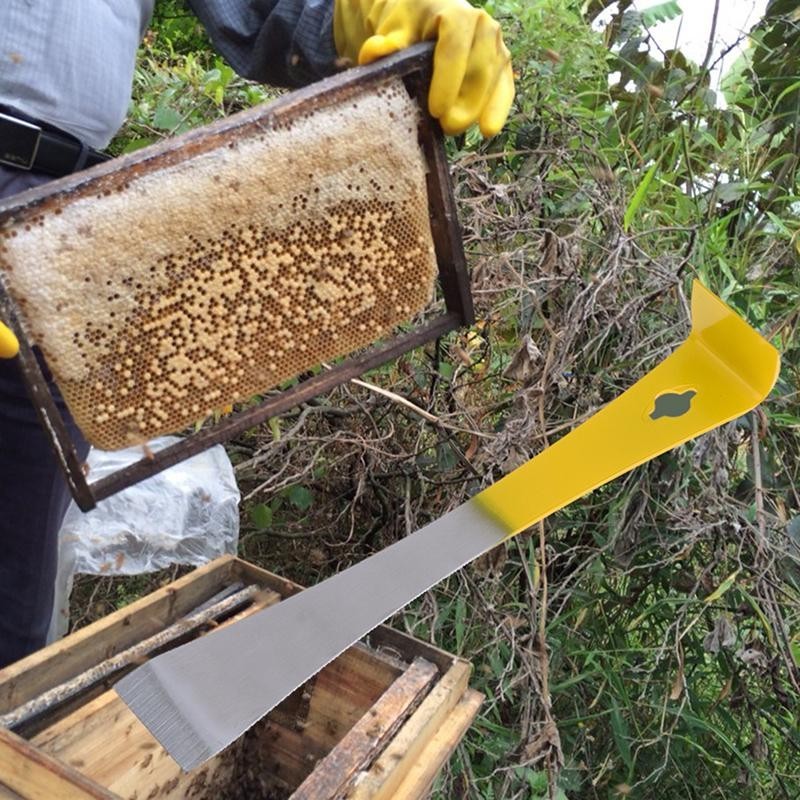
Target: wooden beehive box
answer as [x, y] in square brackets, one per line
[378, 722]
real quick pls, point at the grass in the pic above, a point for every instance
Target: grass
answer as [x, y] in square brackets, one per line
[645, 641]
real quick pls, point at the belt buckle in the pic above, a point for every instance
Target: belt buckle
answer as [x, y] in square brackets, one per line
[19, 142]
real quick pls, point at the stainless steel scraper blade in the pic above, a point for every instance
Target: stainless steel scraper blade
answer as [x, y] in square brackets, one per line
[200, 697]
[246, 669]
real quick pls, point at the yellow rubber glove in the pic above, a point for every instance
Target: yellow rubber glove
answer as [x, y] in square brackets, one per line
[472, 77]
[9, 346]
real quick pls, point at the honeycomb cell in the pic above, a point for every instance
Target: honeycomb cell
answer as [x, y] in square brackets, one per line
[224, 274]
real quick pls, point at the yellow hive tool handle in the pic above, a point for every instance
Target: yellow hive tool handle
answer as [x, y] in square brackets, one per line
[9, 346]
[721, 371]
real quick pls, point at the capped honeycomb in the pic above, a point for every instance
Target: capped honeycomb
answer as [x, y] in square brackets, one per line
[212, 279]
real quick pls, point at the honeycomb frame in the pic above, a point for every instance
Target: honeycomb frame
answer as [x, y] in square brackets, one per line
[367, 314]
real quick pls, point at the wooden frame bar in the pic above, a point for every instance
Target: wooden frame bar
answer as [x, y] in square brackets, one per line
[337, 771]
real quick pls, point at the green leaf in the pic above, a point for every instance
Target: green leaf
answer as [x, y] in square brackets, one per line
[723, 587]
[621, 736]
[445, 456]
[498, 741]
[638, 196]
[705, 725]
[790, 420]
[275, 428]
[261, 516]
[761, 616]
[788, 90]
[537, 780]
[446, 370]
[460, 622]
[137, 144]
[301, 498]
[661, 12]
[734, 190]
[166, 118]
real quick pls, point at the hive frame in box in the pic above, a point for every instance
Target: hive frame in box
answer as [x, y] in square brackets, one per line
[413, 65]
[361, 728]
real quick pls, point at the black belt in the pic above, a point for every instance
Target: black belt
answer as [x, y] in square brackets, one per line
[29, 144]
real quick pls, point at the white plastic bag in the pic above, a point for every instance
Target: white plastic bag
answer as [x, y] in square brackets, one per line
[187, 514]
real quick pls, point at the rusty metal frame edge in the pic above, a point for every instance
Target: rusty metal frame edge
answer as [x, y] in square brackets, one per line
[413, 65]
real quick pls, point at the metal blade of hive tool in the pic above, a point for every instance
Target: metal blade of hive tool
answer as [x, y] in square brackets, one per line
[200, 697]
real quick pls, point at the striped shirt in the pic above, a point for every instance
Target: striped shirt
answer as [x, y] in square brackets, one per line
[71, 62]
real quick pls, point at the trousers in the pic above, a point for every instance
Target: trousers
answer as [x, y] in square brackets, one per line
[33, 498]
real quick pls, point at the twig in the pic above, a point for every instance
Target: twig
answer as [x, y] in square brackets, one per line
[396, 398]
[417, 410]
[759, 484]
[711, 37]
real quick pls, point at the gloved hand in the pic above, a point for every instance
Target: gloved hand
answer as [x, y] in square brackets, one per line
[472, 77]
[9, 346]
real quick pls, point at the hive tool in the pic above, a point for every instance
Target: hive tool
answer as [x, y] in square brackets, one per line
[186, 697]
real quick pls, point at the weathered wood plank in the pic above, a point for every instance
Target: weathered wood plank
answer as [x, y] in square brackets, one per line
[109, 745]
[192, 623]
[421, 775]
[296, 735]
[105, 741]
[36, 776]
[104, 711]
[334, 773]
[63, 660]
[343, 692]
[390, 769]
